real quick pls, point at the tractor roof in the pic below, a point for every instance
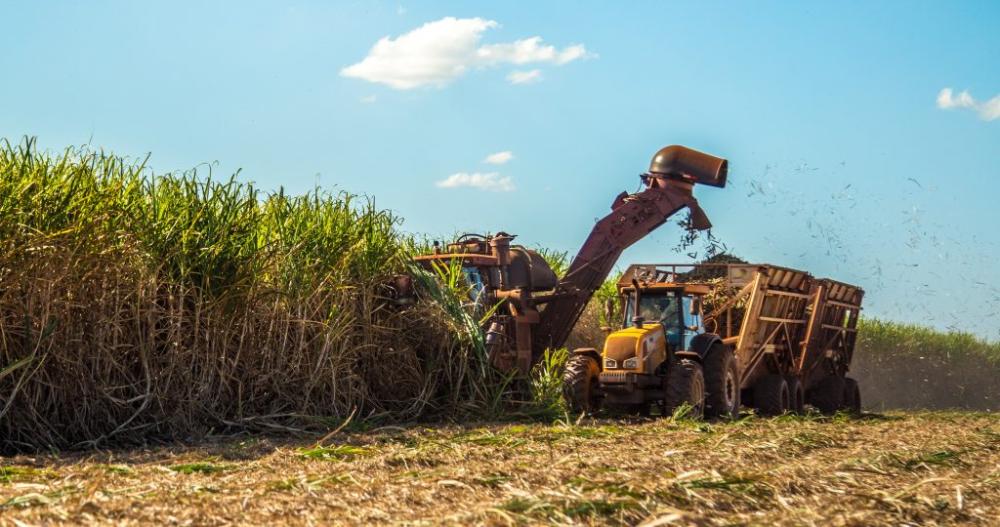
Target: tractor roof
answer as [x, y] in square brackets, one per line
[678, 275]
[685, 288]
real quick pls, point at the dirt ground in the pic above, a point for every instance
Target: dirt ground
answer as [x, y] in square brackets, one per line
[897, 468]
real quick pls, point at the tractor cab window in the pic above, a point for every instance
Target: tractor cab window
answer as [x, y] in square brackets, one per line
[692, 320]
[663, 308]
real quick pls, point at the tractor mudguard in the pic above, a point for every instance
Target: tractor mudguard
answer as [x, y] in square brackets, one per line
[690, 355]
[590, 352]
[701, 344]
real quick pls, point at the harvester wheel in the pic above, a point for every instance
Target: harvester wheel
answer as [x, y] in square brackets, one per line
[796, 395]
[581, 387]
[684, 384]
[771, 395]
[852, 396]
[722, 383]
[828, 395]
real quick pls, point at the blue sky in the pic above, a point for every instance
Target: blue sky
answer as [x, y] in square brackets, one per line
[847, 159]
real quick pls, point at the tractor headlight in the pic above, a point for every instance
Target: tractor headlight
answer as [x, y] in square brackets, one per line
[631, 364]
[610, 364]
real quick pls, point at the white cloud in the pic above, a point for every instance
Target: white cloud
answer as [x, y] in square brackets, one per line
[369, 99]
[987, 111]
[990, 109]
[524, 77]
[439, 52]
[946, 100]
[491, 181]
[529, 50]
[499, 158]
[433, 54]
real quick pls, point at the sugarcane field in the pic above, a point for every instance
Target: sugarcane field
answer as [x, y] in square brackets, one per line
[324, 263]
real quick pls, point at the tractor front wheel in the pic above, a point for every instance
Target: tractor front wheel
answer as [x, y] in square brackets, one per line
[581, 387]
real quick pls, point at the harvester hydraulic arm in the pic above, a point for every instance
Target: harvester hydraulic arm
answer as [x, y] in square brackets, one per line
[669, 185]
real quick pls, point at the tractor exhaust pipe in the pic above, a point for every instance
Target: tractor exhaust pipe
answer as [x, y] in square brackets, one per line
[637, 319]
[680, 162]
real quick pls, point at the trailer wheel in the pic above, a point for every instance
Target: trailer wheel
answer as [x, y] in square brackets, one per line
[771, 395]
[581, 389]
[852, 396]
[796, 395]
[828, 395]
[722, 383]
[685, 384]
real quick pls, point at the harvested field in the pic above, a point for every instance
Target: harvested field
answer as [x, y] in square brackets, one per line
[898, 468]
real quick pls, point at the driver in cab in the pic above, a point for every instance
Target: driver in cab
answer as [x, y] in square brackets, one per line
[662, 309]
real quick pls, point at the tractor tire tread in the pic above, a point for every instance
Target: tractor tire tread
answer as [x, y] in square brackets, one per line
[578, 385]
[680, 378]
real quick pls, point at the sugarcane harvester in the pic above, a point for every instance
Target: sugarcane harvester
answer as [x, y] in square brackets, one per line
[530, 309]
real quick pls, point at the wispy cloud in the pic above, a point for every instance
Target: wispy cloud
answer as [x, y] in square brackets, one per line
[491, 181]
[369, 99]
[499, 158]
[530, 50]
[524, 77]
[987, 111]
[439, 52]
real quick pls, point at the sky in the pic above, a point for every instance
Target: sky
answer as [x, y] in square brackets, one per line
[863, 137]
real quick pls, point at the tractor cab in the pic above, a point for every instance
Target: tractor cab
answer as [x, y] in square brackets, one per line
[677, 308]
[660, 319]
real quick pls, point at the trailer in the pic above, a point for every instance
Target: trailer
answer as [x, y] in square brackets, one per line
[718, 336]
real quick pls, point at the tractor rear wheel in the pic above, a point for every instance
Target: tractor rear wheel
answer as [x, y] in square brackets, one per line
[684, 385]
[722, 383]
[796, 395]
[581, 388]
[852, 396]
[771, 395]
[828, 395]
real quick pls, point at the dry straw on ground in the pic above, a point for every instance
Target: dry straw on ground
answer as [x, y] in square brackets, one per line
[895, 469]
